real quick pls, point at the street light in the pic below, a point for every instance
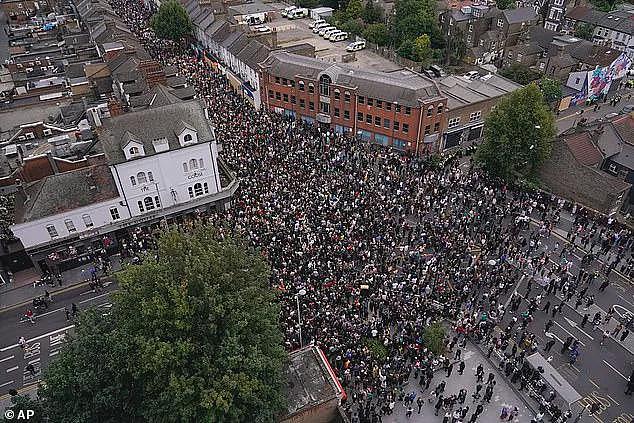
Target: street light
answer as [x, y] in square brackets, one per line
[301, 292]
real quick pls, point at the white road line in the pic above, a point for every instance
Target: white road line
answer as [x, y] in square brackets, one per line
[50, 312]
[550, 334]
[7, 358]
[94, 298]
[6, 383]
[53, 353]
[36, 360]
[564, 329]
[12, 369]
[612, 367]
[38, 337]
[574, 325]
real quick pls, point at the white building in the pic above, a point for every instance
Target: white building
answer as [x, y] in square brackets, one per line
[157, 164]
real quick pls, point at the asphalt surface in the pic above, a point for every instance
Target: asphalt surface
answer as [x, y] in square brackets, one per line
[44, 337]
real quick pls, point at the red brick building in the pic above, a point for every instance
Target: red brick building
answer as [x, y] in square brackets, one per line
[400, 109]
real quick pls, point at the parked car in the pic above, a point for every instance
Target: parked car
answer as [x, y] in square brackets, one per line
[628, 109]
[316, 22]
[338, 36]
[287, 10]
[319, 26]
[437, 70]
[299, 13]
[471, 75]
[329, 32]
[356, 46]
[611, 115]
[323, 30]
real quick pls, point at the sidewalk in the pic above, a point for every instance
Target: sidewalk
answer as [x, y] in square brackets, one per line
[22, 291]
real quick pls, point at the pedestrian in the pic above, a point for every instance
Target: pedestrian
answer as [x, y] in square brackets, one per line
[549, 345]
[461, 368]
[75, 310]
[584, 320]
[630, 385]
[67, 313]
[449, 369]
[29, 368]
[409, 412]
[624, 334]
[420, 403]
[22, 343]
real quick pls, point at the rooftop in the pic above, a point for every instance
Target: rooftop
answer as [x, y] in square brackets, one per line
[581, 146]
[461, 91]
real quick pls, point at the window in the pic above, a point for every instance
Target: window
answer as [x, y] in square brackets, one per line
[612, 167]
[193, 164]
[360, 116]
[386, 123]
[346, 97]
[398, 108]
[436, 126]
[500, 23]
[52, 231]
[311, 88]
[361, 99]
[324, 107]
[311, 105]
[379, 104]
[368, 119]
[271, 94]
[301, 85]
[470, 28]
[87, 221]
[577, 81]
[346, 114]
[302, 103]
[141, 178]
[408, 110]
[337, 94]
[157, 201]
[133, 151]
[453, 122]
[405, 128]
[292, 84]
[377, 120]
[293, 99]
[440, 108]
[150, 177]
[284, 81]
[388, 106]
[430, 111]
[198, 189]
[285, 97]
[206, 188]
[475, 116]
[278, 95]
[201, 164]
[427, 130]
[70, 225]
[184, 167]
[114, 213]
[148, 203]
[397, 125]
[370, 101]
[188, 138]
[133, 180]
[400, 144]
[277, 80]
[191, 192]
[324, 85]
[140, 204]
[336, 112]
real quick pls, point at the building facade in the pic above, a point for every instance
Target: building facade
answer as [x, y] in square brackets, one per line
[403, 110]
[614, 29]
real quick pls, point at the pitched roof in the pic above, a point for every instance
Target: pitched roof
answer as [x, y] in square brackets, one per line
[624, 126]
[158, 96]
[66, 191]
[520, 14]
[583, 149]
[150, 124]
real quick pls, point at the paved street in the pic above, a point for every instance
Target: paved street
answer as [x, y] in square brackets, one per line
[44, 337]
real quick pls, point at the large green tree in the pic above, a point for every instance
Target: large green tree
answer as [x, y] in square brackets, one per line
[520, 73]
[585, 31]
[171, 21]
[192, 337]
[413, 18]
[377, 33]
[551, 89]
[518, 134]
[505, 4]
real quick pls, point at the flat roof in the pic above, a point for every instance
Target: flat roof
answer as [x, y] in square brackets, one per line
[461, 91]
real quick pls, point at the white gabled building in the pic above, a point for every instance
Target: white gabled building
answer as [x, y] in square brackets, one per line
[157, 163]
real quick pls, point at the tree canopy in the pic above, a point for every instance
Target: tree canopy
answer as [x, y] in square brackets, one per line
[377, 33]
[518, 134]
[192, 337]
[171, 21]
[551, 89]
[505, 4]
[413, 18]
[585, 31]
[520, 73]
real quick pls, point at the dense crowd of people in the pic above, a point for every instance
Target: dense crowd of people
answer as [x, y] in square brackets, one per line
[381, 244]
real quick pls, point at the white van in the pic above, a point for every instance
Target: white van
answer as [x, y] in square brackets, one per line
[316, 22]
[323, 30]
[356, 46]
[329, 32]
[288, 10]
[298, 13]
[318, 27]
[338, 36]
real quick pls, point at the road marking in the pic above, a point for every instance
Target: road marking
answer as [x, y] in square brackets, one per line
[574, 325]
[6, 383]
[94, 298]
[597, 419]
[613, 400]
[37, 337]
[53, 353]
[12, 369]
[564, 329]
[7, 358]
[34, 361]
[623, 314]
[611, 367]
[49, 312]
[552, 335]
[595, 385]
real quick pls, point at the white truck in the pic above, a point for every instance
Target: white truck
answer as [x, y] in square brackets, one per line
[299, 13]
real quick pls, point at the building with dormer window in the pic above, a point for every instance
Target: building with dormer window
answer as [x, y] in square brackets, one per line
[156, 164]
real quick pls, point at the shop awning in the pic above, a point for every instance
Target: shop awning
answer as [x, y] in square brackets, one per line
[554, 378]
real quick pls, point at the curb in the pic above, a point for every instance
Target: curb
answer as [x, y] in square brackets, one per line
[59, 291]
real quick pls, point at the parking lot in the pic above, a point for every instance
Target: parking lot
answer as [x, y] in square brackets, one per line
[297, 31]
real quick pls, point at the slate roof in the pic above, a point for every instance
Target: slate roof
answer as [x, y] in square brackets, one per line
[624, 126]
[253, 54]
[520, 14]
[583, 149]
[66, 191]
[149, 124]
[403, 86]
[461, 92]
[158, 96]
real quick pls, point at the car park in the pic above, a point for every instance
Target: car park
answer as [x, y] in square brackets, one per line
[356, 46]
[316, 22]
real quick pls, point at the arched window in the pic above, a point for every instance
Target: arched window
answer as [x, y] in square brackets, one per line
[133, 151]
[206, 187]
[201, 164]
[311, 88]
[133, 180]
[150, 177]
[141, 178]
[324, 85]
[191, 192]
[149, 204]
[337, 94]
[193, 164]
[301, 85]
[140, 203]
[440, 108]
[157, 201]
[184, 167]
[430, 111]
[198, 189]
[188, 138]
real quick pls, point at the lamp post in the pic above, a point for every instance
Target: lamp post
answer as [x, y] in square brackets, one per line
[301, 292]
